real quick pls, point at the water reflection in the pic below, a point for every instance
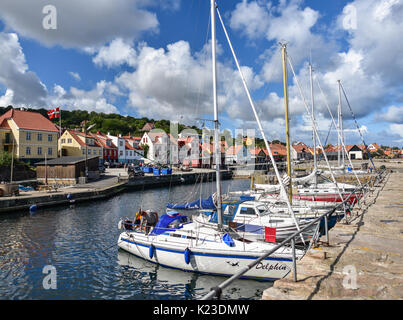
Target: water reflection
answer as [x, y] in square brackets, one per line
[79, 241]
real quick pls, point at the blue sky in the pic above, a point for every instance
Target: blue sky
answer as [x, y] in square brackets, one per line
[152, 58]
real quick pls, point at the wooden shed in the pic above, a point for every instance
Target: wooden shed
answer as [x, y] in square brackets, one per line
[66, 170]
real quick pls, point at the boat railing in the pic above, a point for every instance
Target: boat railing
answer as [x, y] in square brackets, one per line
[216, 291]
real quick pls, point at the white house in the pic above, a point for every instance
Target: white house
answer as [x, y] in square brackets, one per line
[159, 146]
[119, 141]
[133, 152]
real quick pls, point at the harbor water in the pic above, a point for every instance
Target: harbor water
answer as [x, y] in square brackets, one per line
[77, 247]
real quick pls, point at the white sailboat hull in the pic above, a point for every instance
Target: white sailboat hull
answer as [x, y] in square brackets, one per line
[222, 260]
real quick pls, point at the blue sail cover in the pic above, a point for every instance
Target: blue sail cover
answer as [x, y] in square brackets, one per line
[198, 204]
[166, 220]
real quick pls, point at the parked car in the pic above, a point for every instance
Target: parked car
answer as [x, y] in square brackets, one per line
[135, 171]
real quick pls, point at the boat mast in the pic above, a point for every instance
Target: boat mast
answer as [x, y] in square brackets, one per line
[284, 60]
[216, 123]
[340, 128]
[313, 133]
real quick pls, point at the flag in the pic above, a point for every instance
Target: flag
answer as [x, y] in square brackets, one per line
[54, 113]
[269, 234]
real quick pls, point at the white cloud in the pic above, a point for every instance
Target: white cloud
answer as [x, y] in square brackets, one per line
[23, 86]
[7, 99]
[118, 52]
[286, 23]
[89, 23]
[393, 114]
[97, 99]
[172, 83]
[397, 128]
[251, 19]
[75, 75]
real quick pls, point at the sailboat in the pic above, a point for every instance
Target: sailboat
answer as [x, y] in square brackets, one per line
[179, 243]
[308, 189]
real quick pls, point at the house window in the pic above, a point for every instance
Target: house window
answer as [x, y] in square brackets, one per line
[127, 153]
[121, 153]
[99, 152]
[39, 150]
[49, 151]
[28, 136]
[69, 140]
[39, 136]
[63, 141]
[89, 151]
[28, 151]
[121, 143]
[83, 151]
[50, 137]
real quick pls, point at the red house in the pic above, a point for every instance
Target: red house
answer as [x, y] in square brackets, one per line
[110, 151]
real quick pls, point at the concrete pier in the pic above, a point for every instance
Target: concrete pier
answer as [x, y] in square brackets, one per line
[364, 259]
[101, 189]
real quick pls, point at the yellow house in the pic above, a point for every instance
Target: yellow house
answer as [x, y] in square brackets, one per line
[29, 135]
[76, 143]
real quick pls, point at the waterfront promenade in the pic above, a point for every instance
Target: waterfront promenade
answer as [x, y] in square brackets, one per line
[364, 259]
[112, 183]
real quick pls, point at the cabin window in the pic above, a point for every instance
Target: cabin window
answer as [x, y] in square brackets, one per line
[261, 209]
[250, 211]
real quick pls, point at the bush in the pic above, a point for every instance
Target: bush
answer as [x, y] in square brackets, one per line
[5, 159]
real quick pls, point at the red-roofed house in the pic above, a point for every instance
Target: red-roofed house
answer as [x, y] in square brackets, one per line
[109, 149]
[373, 147]
[76, 143]
[28, 134]
[236, 154]
[258, 154]
[300, 151]
[148, 126]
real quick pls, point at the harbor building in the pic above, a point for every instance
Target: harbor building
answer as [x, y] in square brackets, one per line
[76, 143]
[28, 135]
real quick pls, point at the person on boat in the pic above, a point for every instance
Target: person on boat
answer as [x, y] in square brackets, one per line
[137, 220]
[150, 218]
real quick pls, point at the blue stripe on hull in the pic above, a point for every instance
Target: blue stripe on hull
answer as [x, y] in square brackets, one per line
[207, 273]
[216, 255]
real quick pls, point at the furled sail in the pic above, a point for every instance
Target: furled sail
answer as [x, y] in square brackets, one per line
[209, 203]
[307, 178]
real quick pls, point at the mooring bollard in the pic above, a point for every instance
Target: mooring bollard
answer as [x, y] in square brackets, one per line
[294, 261]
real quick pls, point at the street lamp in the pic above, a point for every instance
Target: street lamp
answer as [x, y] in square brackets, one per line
[86, 151]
